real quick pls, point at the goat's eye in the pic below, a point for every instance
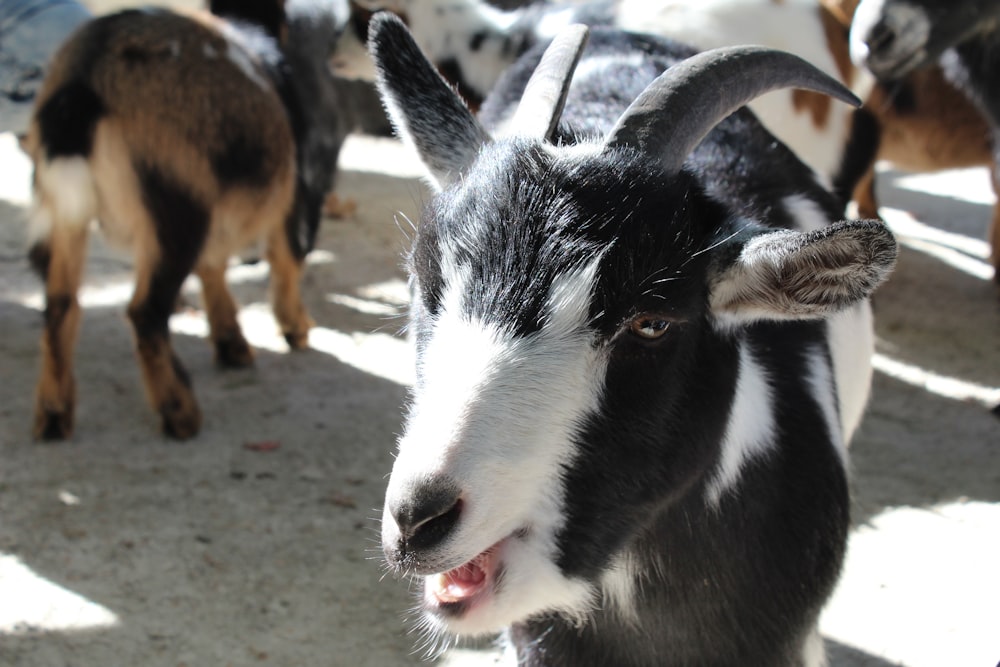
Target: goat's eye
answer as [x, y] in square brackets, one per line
[649, 327]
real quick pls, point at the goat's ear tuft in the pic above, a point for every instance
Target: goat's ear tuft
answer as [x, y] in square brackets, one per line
[425, 111]
[788, 275]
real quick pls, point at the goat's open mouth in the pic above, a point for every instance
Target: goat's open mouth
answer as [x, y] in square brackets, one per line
[454, 592]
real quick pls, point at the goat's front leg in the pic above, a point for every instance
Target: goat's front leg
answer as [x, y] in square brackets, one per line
[59, 260]
[231, 348]
[168, 386]
[286, 295]
[994, 233]
[865, 197]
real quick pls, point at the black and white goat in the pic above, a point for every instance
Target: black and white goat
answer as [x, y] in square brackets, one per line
[642, 346]
[893, 38]
[187, 138]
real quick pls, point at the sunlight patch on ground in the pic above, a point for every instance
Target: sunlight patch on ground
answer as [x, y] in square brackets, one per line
[941, 385]
[920, 601]
[387, 299]
[379, 155]
[15, 186]
[961, 252]
[378, 354]
[35, 604]
[904, 224]
[971, 185]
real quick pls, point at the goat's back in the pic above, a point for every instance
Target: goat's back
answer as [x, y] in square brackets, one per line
[181, 94]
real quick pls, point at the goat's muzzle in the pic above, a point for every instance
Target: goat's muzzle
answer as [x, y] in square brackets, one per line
[418, 522]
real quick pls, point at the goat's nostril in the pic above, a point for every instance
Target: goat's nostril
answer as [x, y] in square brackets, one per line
[435, 529]
[881, 37]
[428, 516]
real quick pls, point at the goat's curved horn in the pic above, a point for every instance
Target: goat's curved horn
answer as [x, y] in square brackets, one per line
[543, 99]
[675, 112]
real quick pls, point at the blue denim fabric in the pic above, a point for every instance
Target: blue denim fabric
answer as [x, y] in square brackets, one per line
[30, 32]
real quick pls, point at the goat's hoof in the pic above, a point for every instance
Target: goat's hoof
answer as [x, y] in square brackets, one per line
[298, 337]
[335, 207]
[181, 419]
[233, 353]
[53, 424]
[297, 340]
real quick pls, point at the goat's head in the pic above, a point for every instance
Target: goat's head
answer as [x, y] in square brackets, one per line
[894, 37]
[573, 310]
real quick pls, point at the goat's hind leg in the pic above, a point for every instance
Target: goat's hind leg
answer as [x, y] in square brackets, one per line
[994, 232]
[168, 386]
[231, 348]
[59, 259]
[286, 295]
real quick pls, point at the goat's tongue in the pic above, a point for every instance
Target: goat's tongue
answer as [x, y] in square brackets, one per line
[461, 583]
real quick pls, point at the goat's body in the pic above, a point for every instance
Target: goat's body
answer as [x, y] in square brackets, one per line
[811, 124]
[172, 134]
[144, 127]
[612, 499]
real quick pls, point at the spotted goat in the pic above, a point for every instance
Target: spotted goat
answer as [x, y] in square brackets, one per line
[919, 123]
[642, 344]
[185, 137]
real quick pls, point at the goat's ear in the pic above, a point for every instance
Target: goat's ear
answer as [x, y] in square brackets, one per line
[788, 275]
[425, 111]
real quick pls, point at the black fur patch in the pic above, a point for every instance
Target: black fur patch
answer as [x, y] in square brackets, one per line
[476, 42]
[859, 154]
[902, 97]
[268, 14]
[67, 120]
[39, 256]
[181, 224]
[303, 220]
[240, 161]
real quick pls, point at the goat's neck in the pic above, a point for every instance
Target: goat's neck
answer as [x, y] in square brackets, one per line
[669, 599]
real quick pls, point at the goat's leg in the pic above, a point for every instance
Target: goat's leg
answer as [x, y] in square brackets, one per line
[994, 234]
[864, 195]
[286, 296]
[231, 348]
[60, 260]
[168, 386]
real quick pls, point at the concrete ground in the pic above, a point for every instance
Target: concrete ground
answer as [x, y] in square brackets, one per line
[257, 544]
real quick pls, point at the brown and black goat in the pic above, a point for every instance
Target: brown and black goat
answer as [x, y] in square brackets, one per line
[173, 132]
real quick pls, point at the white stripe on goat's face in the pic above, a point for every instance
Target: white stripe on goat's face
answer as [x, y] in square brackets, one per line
[496, 413]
